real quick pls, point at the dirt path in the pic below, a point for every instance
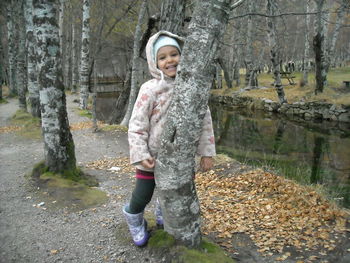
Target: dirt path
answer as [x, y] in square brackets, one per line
[32, 234]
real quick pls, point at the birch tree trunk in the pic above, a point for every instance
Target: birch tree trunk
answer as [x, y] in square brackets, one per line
[274, 49]
[340, 18]
[21, 57]
[32, 76]
[175, 166]
[74, 60]
[58, 141]
[85, 56]
[12, 47]
[172, 16]
[61, 28]
[306, 45]
[218, 76]
[2, 75]
[68, 60]
[60, 24]
[320, 47]
[238, 53]
[249, 44]
[135, 65]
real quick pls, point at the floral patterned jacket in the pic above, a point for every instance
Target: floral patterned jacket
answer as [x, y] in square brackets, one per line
[150, 110]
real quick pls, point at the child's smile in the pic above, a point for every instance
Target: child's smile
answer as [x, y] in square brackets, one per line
[168, 58]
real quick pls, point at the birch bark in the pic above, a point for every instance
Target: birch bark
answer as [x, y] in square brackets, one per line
[175, 166]
[306, 44]
[340, 18]
[32, 76]
[85, 56]
[12, 48]
[58, 142]
[21, 57]
[74, 60]
[135, 65]
[238, 38]
[2, 75]
[249, 45]
[172, 16]
[274, 49]
[320, 47]
[60, 24]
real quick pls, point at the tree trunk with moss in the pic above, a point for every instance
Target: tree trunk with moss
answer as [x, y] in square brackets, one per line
[85, 56]
[175, 166]
[58, 141]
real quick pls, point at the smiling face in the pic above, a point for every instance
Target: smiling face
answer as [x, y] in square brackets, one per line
[168, 57]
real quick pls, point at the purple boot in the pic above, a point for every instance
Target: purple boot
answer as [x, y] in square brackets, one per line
[138, 228]
[158, 214]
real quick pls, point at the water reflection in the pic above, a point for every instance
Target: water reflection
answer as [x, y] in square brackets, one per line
[309, 153]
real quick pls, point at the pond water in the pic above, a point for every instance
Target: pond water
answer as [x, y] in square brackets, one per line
[310, 153]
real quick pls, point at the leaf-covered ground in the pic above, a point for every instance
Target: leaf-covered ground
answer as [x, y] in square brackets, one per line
[276, 213]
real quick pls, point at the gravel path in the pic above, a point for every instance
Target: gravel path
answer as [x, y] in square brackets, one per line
[34, 234]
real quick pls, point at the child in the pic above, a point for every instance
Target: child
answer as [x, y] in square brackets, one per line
[163, 52]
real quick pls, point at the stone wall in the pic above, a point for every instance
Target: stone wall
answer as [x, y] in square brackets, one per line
[313, 110]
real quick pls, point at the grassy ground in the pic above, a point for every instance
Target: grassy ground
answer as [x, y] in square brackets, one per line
[335, 93]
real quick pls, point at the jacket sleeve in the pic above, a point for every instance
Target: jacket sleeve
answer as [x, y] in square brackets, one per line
[139, 126]
[206, 146]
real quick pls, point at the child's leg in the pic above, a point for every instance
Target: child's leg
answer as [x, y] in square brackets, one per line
[133, 212]
[141, 195]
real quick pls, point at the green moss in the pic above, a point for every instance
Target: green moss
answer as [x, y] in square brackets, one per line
[3, 101]
[70, 193]
[161, 239]
[31, 125]
[39, 169]
[85, 113]
[65, 192]
[207, 253]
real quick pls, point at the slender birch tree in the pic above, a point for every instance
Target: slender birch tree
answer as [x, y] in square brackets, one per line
[85, 56]
[21, 57]
[172, 16]
[319, 45]
[274, 49]
[248, 60]
[345, 4]
[306, 44]
[58, 142]
[135, 65]
[75, 76]
[175, 166]
[32, 76]
[2, 76]
[12, 47]
[60, 23]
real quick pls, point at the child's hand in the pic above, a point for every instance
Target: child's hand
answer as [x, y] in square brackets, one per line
[206, 163]
[148, 163]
